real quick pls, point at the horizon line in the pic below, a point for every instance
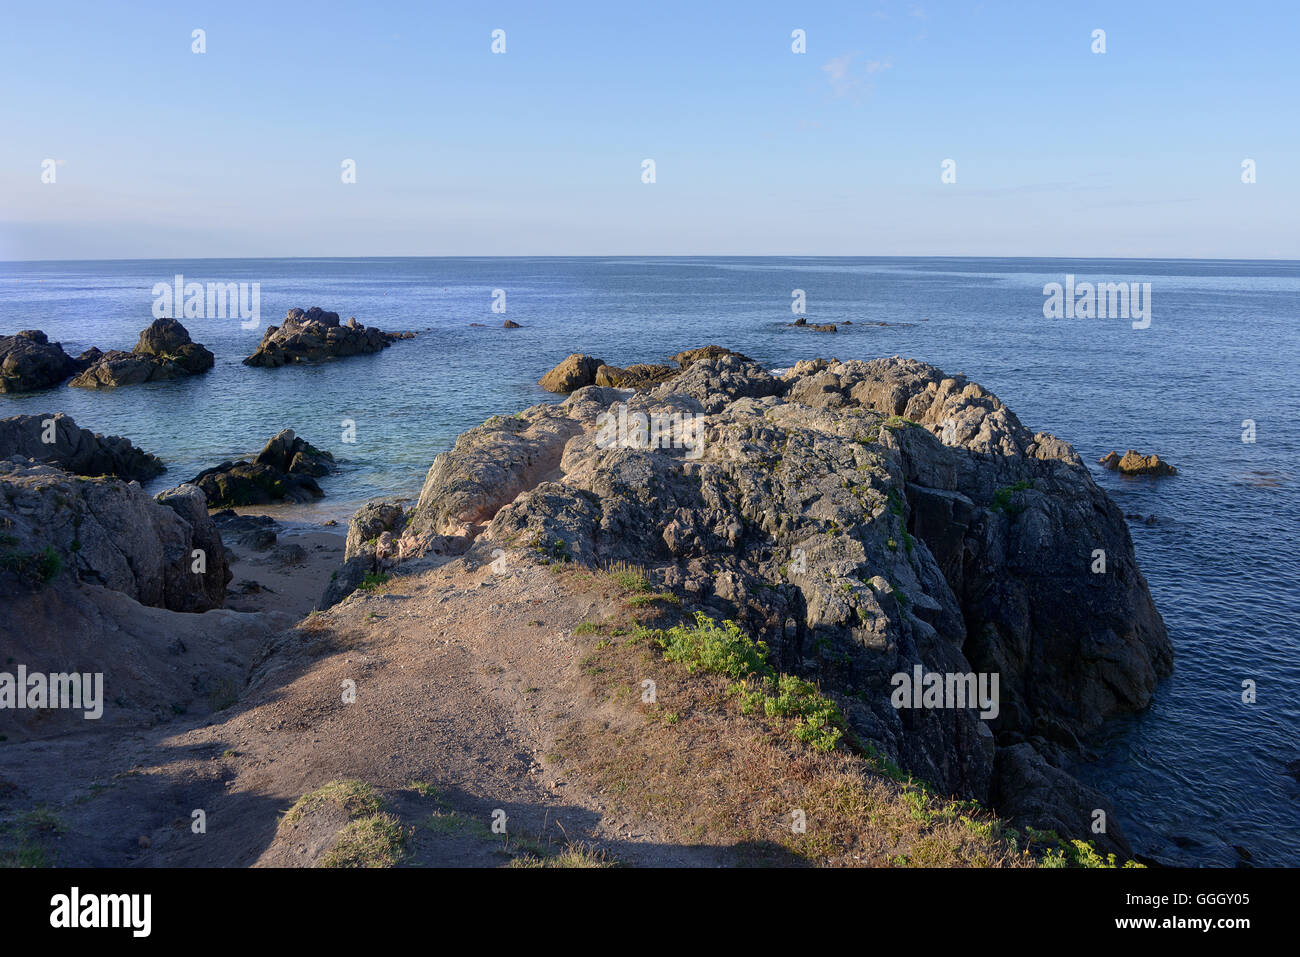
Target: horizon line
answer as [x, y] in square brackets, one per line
[1190, 259]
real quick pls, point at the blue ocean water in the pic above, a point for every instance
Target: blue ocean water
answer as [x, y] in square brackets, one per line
[1198, 775]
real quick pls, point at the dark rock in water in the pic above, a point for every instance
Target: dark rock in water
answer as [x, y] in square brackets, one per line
[29, 361]
[61, 528]
[1030, 792]
[1135, 463]
[315, 335]
[163, 352]
[282, 471]
[863, 519]
[801, 321]
[691, 356]
[510, 324]
[293, 455]
[74, 449]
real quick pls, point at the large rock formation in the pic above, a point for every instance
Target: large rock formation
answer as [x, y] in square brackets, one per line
[164, 351]
[29, 361]
[864, 519]
[286, 468]
[56, 527]
[315, 335]
[56, 440]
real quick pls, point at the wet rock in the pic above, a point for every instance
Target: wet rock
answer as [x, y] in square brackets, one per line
[75, 449]
[314, 335]
[29, 361]
[164, 351]
[1135, 463]
[285, 470]
[510, 324]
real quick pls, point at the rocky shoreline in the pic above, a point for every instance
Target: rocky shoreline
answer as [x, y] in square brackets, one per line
[863, 520]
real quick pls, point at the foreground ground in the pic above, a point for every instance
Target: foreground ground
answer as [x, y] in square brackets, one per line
[496, 717]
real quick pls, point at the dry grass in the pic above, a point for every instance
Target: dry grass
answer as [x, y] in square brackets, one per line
[693, 764]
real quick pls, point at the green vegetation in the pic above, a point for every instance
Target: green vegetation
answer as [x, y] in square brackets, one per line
[724, 649]
[1002, 498]
[371, 838]
[355, 798]
[375, 841]
[36, 567]
[23, 839]
[373, 580]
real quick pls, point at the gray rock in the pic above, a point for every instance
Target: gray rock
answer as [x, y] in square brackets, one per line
[315, 335]
[29, 361]
[862, 518]
[108, 533]
[283, 470]
[164, 351]
[75, 449]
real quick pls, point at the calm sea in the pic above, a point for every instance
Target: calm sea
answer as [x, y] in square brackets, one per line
[1198, 775]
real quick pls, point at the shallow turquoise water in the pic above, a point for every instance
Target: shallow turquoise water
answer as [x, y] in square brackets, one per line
[1198, 773]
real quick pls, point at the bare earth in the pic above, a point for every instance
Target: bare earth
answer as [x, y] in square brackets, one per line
[451, 691]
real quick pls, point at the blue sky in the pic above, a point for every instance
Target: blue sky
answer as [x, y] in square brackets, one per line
[162, 152]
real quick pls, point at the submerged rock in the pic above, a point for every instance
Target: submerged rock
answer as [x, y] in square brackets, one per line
[863, 519]
[314, 335]
[285, 469]
[164, 351]
[29, 361]
[74, 449]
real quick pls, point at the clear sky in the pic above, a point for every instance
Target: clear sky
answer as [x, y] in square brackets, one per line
[1059, 151]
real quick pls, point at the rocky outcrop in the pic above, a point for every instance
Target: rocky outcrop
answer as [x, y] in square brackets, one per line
[164, 351]
[802, 323]
[576, 371]
[285, 469]
[580, 370]
[314, 335]
[638, 376]
[865, 519]
[29, 361]
[691, 356]
[60, 528]
[1135, 463]
[371, 543]
[74, 449]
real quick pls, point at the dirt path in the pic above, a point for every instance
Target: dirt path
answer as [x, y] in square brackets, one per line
[462, 679]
